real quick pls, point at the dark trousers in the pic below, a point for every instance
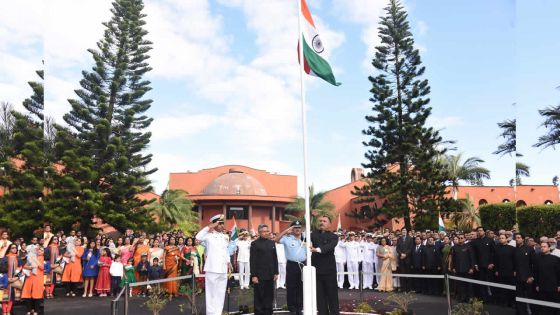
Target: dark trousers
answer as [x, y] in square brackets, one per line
[505, 296]
[115, 285]
[404, 267]
[263, 295]
[34, 305]
[550, 297]
[525, 290]
[294, 287]
[417, 283]
[481, 290]
[433, 286]
[71, 287]
[464, 289]
[327, 294]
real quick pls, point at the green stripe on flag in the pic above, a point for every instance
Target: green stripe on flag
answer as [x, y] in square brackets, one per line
[318, 65]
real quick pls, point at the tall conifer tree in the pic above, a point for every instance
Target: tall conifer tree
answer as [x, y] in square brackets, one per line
[403, 170]
[24, 167]
[109, 119]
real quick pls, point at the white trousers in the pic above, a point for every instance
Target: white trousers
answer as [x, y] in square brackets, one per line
[377, 266]
[340, 277]
[367, 267]
[354, 279]
[244, 274]
[281, 276]
[215, 286]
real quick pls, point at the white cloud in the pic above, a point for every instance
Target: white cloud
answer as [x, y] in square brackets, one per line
[21, 26]
[365, 13]
[444, 122]
[166, 127]
[422, 28]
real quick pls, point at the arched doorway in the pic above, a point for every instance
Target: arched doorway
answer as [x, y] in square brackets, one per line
[520, 203]
[482, 202]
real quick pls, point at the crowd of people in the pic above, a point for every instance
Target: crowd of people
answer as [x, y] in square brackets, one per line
[101, 266]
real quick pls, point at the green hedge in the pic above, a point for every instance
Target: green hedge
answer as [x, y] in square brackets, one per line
[497, 216]
[540, 220]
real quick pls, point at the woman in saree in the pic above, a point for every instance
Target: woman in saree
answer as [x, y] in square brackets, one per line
[156, 252]
[385, 256]
[190, 261]
[171, 266]
[13, 263]
[52, 253]
[141, 248]
[72, 274]
[33, 287]
[126, 251]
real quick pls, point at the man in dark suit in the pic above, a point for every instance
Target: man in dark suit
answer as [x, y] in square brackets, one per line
[416, 264]
[484, 252]
[404, 249]
[523, 262]
[504, 259]
[431, 265]
[462, 265]
[264, 270]
[323, 242]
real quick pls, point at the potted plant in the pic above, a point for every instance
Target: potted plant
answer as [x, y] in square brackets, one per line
[364, 308]
[473, 307]
[403, 301]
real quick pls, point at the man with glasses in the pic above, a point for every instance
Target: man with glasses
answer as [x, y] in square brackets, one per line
[264, 270]
[404, 249]
[484, 250]
[217, 263]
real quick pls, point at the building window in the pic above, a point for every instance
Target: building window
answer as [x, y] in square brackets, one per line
[482, 202]
[548, 202]
[521, 203]
[505, 200]
[240, 212]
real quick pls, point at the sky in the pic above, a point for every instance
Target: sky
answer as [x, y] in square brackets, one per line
[226, 83]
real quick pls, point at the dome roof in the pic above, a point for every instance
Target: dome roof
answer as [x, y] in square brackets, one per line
[235, 183]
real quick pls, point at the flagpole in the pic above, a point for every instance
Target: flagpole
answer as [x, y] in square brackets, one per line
[308, 274]
[304, 133]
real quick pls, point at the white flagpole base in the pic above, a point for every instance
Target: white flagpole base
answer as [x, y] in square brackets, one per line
[309, 291]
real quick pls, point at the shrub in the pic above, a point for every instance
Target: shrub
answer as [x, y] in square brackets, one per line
[539, 220]
[497, 216]
[363, 308]
[474, 307]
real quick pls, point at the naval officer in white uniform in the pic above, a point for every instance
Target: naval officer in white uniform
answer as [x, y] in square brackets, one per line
[216, 264]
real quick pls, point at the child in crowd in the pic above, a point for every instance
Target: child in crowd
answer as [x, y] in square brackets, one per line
[103, 285]
[128, 274]
[116, 271]
[143, 269]
[156, 272]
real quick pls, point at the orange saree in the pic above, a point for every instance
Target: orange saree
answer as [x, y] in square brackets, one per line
[171, 264]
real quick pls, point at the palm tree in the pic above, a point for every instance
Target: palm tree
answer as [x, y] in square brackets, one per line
[552, 123]
[174, 208]
[521, 169]
[508, 127]
[469, 217]
[469, 171]
[317, 204]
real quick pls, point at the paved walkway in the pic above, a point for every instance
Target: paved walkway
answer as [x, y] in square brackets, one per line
[425, 305]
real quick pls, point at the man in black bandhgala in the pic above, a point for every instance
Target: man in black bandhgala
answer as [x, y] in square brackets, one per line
[323, 242]
[264, 270]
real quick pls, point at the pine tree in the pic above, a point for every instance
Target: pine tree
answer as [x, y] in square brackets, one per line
[109, 118]
[404, 173]
[24, 168]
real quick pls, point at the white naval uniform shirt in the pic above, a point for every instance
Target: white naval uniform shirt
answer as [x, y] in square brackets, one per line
[244, 251]
[217, 255]
[340, 253]
[369, 252]
[281, 253]
[352, 251]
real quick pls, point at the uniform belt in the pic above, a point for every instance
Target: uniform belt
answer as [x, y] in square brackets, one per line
[297, 262]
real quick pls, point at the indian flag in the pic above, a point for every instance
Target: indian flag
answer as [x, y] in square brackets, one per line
[313, 51]
[441, 226]
[234, 231]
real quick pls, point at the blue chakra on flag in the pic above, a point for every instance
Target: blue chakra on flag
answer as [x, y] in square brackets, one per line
[317, 44]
